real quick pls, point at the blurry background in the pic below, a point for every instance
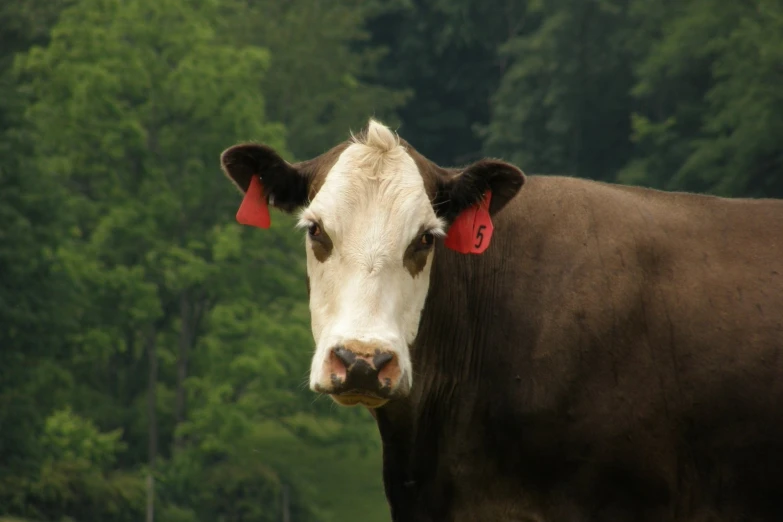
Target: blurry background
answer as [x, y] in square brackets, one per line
[148, 343]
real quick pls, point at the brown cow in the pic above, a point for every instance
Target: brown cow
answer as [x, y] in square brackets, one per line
[607, 353]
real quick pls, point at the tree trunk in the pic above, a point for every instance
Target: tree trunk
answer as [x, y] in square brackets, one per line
[152, 358]
[191, 310]
[286, 504]
[185, 340]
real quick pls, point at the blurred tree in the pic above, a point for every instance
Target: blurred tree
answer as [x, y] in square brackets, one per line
[35, 296]
[130, 105]
[446, 52]
[120, 121]
[78, 477]
[563, 103]
[708, 89]
[325, 74]
[127, 109]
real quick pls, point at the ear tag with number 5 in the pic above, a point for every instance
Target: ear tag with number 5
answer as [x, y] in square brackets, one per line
[471, 231]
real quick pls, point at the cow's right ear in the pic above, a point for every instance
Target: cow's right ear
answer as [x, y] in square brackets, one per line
[284, 185]
[468, 198]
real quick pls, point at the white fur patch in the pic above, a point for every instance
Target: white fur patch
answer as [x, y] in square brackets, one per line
[372, 204]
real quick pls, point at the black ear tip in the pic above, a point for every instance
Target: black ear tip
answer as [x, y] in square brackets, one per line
[519, 176]
[246, 152]
[510, 176]
[227, 153]
[504, 179]
[240, 163]
[505, 167]
[227, 158]
[501, 175]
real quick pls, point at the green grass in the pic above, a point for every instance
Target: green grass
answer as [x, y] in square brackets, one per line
[344, 484]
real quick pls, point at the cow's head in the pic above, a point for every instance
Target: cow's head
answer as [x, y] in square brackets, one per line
[372, 209]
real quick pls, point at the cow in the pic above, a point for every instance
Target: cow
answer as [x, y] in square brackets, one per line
[534, 347]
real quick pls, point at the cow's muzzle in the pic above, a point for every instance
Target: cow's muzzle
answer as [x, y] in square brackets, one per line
[362, 374]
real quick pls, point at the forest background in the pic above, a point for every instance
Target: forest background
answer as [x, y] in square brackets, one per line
[153, 352]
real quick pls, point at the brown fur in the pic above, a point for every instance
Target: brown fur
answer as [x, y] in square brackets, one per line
[615, 355]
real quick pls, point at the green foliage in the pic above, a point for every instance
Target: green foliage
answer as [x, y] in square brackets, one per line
[445, 53]
[322, 78]
[341, 481]
[710, 87]
[122, 114]
[573, 68]
[231, 490]
[76, 479]
[68, 437]
[34, 293]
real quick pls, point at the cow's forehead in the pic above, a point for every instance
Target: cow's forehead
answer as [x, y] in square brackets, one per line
[373, 181]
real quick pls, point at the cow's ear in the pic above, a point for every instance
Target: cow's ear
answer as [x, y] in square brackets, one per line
[467, 199]
[284, 186]
[467, 187]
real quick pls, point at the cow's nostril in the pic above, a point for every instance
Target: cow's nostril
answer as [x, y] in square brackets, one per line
[345, 356]
[381, 359]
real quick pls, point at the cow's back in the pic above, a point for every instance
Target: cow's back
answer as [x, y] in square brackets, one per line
[628, 357]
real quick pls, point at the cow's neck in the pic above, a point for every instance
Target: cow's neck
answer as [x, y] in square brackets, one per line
[447, 372]
[445, 363]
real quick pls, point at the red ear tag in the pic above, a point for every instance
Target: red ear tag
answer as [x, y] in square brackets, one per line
[254, 211]
[471, 231]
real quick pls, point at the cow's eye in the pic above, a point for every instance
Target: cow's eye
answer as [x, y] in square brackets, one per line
[426, 240]
[314, 230]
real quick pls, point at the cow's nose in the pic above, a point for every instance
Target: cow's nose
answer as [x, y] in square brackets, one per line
[349, 358]
[361, 369]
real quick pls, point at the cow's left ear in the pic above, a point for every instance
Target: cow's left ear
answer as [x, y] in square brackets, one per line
[467, 187]
[285, 186]
[265, 178]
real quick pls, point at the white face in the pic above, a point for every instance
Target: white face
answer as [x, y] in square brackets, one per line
[366, 293]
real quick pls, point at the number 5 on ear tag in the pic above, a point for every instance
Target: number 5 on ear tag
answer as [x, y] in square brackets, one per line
[471, 231]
